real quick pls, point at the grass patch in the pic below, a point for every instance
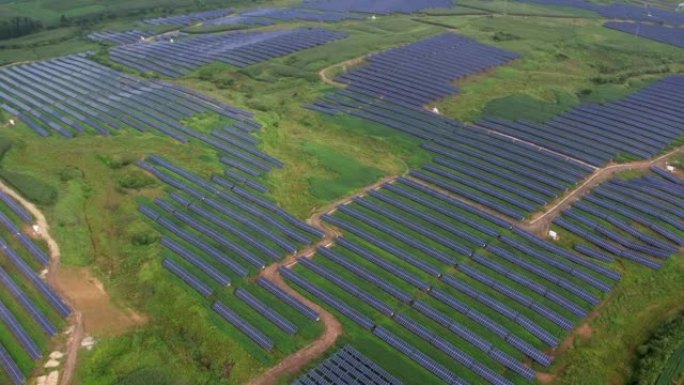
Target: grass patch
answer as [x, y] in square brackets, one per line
[523, 106]
[344, 173]
[32, 188]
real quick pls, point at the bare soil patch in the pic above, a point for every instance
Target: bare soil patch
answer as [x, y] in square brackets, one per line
[86, 293]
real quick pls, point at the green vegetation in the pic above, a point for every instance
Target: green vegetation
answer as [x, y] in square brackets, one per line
[31, 187]
[578, 57]
[522, 106]
[642, 300]
[661, 359]
[18, 26]
[344, 174]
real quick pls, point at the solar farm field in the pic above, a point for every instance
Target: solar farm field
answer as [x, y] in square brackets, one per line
[638, 219]
[339, 192]
[30, 311]
[458, 274]
[663, 34]
[239, 49]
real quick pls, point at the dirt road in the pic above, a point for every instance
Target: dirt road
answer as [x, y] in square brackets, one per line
[539, 223]
[333, 329]
[324, 72]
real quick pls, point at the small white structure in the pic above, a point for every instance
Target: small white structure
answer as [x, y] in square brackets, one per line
[373, 17]
[670, 168]
[51, 364]
[42, 380]
[56, 355]
[88, 343]
[171, 40]
[43, 273]
[553, 235]
[11, 122]
[52, 378]
[435, 110]
[36, 229]
[680, 7]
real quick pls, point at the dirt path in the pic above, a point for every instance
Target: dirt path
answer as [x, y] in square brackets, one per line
[324, 72]
[76, 319]
[540, 222]
[333, 329]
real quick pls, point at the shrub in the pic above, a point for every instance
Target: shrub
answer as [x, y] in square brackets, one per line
[70, 173]
[117, 161]
[504, 36]
[30, 187]
[5, 145]
[135, 180]
[148, 376]
[144, 238]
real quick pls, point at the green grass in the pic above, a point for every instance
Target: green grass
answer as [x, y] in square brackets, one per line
[577, 57]
[342, 175]
[523, 106]
[642, 300]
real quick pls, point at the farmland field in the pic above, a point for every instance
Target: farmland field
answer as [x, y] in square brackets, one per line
[405, 192]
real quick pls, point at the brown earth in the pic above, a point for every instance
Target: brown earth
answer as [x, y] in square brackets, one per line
[345, 64]
[87, 294]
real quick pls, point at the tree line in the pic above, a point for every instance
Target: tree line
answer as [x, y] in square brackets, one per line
[19, 26]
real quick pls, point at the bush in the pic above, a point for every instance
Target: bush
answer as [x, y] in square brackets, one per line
[144, 238]
[70, 173]
[5, 145]
[504, 36]
[31, 188]
[148, 376]
[135, 180]
[660, 358]
[116, 162]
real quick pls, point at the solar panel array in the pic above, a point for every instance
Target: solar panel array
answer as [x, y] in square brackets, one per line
[347, 366]
[29, 309]
[639, 125]
[495, 171]
[377, 6]
[514, 295]
[326, 11]
[300, 13]
[660, 33]
[232, 220]
[217, 232]
[621, 11]
[639, 219]
[241, 49]
[73, 94]
[422, 72]
[116, 37]
[244, 326]
[241, 20]
[16, 208]
[10, 367]
[192, 18]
